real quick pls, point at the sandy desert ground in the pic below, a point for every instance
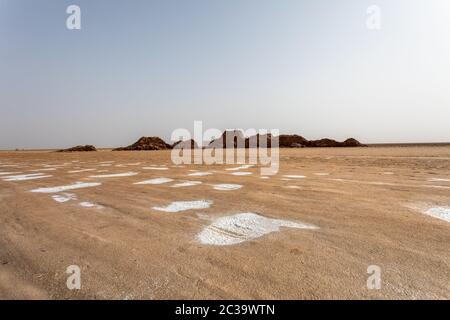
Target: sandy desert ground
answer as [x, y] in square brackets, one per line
[309, 232]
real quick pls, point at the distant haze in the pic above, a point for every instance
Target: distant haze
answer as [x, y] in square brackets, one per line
[144, 68]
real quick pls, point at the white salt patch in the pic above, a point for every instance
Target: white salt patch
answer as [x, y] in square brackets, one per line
[8, 173]
[241, 173]
[242, 227]
[246, 166]
[115, 175]
[264, 177]
[178, 206]
[439, 179]
[25, 177]
[133, 164]
[186, 184]
[61, 198]
[155, 181]
[155, 168]
[388, 173]
[442, 213]
[293, 187]
[90, 205]
[105, 165]
[77, 185]
[294, 177]
[81, 170]
[437, 187]
[106, 162]
[322, 174]
[200, 174]
[226, 187]
[285, 179]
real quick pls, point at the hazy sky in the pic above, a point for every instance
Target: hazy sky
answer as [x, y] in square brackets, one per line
[144, 68]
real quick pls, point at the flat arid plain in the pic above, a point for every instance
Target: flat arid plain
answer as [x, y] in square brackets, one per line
[140, 227]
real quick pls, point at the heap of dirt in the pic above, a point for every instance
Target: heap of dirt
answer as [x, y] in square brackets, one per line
[235, 139]
[188, 144]
[238, 140]
[146, 143]
[79, 148]
[292, 141]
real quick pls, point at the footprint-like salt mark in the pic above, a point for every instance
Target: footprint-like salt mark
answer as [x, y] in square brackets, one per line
[61, 198]
[226, 187]
[87, 204]
[186, 184]
[387, 173]
[81, 170]
[25, 177]
[241, 173]
[134, 164]
[106, 162]
[442, 213]
[155, 168]
[199, 174]
[78, 185]
[242, 227]
[155, 181]
[178, 206]
[439, 180]
[264, 177]
[115, 175]
[291, 176]
[245, 166]
[105, 165]
[293, 187]
[322, 174]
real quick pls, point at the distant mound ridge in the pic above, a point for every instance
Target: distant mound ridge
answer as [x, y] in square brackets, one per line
[285, 141]
[79, 148]
[146, 143]
[237, 140]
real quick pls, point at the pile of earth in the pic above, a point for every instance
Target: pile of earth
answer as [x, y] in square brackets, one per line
[188, 144]
[146, 143]
[79, 148]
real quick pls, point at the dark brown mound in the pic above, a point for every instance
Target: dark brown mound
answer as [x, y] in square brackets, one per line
[330, 143]
[146, 143]
[292, 141]
[185, 144]
[235, 139]
[79, 148]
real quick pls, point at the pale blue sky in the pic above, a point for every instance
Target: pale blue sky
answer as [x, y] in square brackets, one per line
[148, 67]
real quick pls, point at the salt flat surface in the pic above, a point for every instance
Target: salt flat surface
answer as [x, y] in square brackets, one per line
[115, 175]
[78, 185]
[81, 170]
[439, 180]
[24, 177]
[61, 198]
[293, 176]
[246, 166]
[241, 227]
[241, 173]
[200, 174]
[226, 187]
[178, 206]
[186, 184]
[87, 204]
[155, 181]
[442, 213]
